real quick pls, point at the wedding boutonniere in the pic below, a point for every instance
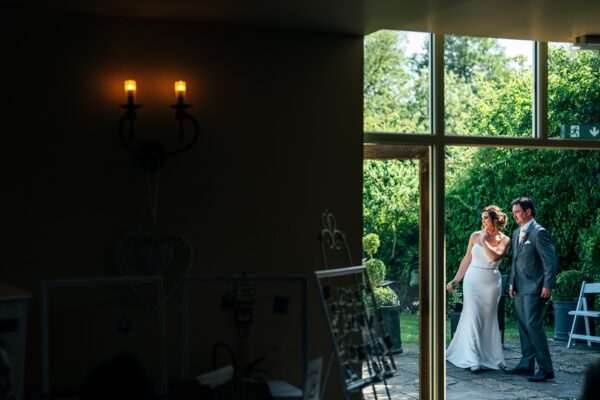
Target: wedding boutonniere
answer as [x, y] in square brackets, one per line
[523, 236]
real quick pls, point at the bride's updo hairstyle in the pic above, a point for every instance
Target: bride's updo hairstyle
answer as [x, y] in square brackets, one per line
[496, 214]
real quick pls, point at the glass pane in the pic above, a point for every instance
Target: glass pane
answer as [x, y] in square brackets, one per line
[396, 82]
[488, 86]
[573, 95]
[495, 176]
[395, 221]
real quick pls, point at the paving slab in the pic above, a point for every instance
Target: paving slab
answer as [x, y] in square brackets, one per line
[570, 366]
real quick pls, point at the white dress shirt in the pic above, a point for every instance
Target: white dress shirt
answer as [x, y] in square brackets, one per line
[524, 228]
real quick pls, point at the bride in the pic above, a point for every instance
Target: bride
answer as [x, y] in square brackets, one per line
[476, 343]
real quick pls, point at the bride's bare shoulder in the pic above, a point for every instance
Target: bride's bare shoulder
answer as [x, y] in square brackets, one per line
[474, 236]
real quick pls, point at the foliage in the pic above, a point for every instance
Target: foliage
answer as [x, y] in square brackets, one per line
[502, 109]
[568, 285]
[384, 296]
[486, 91]
[371, 243]
[390, 204]
[386, 91]
[588, 248]
[573, 95]
[468, 57]
[375, 267]
[391, 210]
[454, 299]
[376, 271]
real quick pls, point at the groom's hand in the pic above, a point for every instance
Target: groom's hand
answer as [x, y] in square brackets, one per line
[511, 293]
[546, 293]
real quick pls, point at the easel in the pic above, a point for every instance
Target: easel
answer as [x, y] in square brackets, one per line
[365, 340]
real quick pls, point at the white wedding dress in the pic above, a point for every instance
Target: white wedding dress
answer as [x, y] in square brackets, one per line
[476, 342]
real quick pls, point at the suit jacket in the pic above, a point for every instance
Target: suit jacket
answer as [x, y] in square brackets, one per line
[534, 261]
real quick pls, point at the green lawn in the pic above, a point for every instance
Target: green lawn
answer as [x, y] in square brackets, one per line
[409, 329]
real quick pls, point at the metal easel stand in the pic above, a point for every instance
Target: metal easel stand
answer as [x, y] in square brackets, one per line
[378, 367]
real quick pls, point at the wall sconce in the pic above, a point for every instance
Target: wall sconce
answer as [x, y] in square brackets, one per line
[153, 154]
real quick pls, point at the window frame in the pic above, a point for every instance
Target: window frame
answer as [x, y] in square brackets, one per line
[432, 363]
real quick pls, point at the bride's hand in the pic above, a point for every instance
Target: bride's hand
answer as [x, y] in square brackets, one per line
[449, 286]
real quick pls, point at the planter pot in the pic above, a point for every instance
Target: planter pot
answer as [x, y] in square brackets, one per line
[563, 321]
[391, 317]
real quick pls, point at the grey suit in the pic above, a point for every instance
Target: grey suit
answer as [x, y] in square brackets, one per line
[533, 267]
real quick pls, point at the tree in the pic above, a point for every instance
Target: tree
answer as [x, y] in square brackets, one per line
[392, 102]
[472, 58]
[573, 95]
[391, 210]
[478, 75]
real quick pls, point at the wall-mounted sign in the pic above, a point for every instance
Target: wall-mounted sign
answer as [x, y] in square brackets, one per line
[581, 131]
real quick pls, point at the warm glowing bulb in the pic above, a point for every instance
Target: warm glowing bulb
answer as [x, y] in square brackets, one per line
[130, 87]
[180, 89]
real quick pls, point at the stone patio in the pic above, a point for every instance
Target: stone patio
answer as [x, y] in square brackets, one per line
[569, 367]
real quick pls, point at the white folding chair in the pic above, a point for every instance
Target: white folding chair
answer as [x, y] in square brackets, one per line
[582, 311]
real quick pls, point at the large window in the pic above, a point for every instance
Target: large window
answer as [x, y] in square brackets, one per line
[493, 99]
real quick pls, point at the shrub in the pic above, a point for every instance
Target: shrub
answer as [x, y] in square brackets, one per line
[384, 296]
[588, 247]
[371, 244]
[568, 285]
[376, 271]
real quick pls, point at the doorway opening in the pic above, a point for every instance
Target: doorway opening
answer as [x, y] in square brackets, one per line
[396, 216]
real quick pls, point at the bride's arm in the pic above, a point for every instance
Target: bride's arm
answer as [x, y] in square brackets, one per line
[466, 261]
[498, 252]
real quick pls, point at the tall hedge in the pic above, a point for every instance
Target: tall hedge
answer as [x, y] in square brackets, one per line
[563, 184]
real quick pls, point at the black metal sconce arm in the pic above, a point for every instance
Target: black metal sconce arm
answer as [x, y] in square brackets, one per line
[153, 154]
[128, 118]
[181, 115]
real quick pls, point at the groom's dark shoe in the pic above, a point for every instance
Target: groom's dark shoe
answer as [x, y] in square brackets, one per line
[541, 376]
[519, 370]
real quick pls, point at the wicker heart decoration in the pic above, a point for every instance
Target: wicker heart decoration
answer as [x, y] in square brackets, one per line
[165, 254]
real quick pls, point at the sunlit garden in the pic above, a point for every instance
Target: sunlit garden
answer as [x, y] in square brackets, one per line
[488, 92]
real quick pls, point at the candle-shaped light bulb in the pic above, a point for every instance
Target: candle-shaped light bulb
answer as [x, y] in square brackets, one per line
[130, 89]
[180, 89]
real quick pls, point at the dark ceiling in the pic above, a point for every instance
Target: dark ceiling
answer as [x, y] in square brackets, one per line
[543, 20]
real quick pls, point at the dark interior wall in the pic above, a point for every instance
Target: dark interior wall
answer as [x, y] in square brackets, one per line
[281, 140]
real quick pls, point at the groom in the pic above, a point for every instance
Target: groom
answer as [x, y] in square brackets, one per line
[532, 278]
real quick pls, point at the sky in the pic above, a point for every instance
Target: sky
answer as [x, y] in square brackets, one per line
[513, 47]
